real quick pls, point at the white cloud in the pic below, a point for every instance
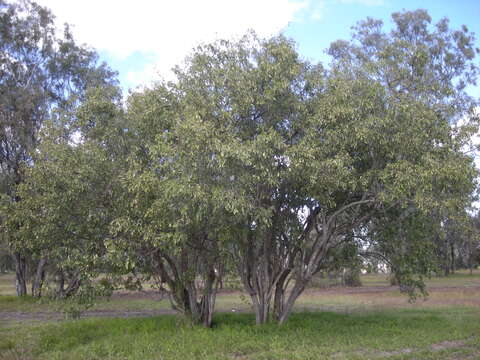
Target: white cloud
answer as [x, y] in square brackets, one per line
[150, 73]
[169, 29]
[317, 10]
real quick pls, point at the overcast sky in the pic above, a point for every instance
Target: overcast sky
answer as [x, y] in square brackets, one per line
[143, 39]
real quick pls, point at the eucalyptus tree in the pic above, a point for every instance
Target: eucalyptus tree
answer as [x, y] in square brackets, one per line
[255, 95]
[68, 193]
[170, 226]
[427, 66]
[310, 158]
[39, 72]
[382, 139]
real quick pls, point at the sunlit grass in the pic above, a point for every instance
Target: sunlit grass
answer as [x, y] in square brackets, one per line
[306, 336]
[336, 323]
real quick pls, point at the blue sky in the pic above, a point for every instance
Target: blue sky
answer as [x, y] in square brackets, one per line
[337, 17]
[142, 40]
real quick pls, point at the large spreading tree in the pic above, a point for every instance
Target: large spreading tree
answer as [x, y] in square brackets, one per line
[312, 161]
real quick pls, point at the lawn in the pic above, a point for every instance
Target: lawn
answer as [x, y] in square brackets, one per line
[371, 322]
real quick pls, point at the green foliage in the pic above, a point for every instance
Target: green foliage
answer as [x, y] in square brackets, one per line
[67, 197]
[370, 139]
[40, 72]
[84, 298]
[257, 160]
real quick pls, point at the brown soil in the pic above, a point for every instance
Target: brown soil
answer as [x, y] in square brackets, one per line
[383, 295]
[387, 289]
[42, 316]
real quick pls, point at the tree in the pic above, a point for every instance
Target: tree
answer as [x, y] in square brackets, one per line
[170, 224]
[467, 240]
[39, 72]
[68, 194]
[382, 139]
[253, 96]
[259, 159]
[313, 157]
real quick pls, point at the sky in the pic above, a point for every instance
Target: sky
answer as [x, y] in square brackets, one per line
[144, 39]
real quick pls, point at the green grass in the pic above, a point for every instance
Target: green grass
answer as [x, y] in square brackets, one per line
[328, 324]
[398, 335]
[24, 304]
[7, 284]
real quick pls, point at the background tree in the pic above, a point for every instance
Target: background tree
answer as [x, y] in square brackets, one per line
[39, 72]
[432, 66]
[68, 192]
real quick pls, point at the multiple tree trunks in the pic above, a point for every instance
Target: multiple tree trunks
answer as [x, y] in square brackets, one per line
[253, 152]
[38, 279]
[192, 298]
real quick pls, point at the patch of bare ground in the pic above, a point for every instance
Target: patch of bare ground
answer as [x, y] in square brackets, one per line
[381, 289]
[43, 316]
[444, 345]
[138, 295]
[384, 296]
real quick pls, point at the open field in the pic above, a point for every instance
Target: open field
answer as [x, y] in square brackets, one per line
[369, 322]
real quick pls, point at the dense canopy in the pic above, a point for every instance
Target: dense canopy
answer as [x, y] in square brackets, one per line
[257, 164]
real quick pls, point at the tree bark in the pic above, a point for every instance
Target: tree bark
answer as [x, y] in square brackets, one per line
[60, 281]
[260, 290]
[207, 302]
[39, 278]
[195, 300]
[199, 311]
[73, 286]
[292, 297]
[279, 296]
[20, 274]
[452, 257]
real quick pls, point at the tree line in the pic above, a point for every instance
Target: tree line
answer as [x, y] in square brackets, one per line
[253, 162]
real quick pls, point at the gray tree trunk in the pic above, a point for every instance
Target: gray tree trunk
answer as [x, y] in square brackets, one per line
[60, 281]
[287, 307]
[39, 278]
[20, 274]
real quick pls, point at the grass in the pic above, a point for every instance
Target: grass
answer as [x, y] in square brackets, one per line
[459, 278]
[6, 284]
[24, 304]
[326, 335]
[339, 323]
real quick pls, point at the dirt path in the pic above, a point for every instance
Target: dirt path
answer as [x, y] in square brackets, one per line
[386, 289]
[439, 295]
[11, 317]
